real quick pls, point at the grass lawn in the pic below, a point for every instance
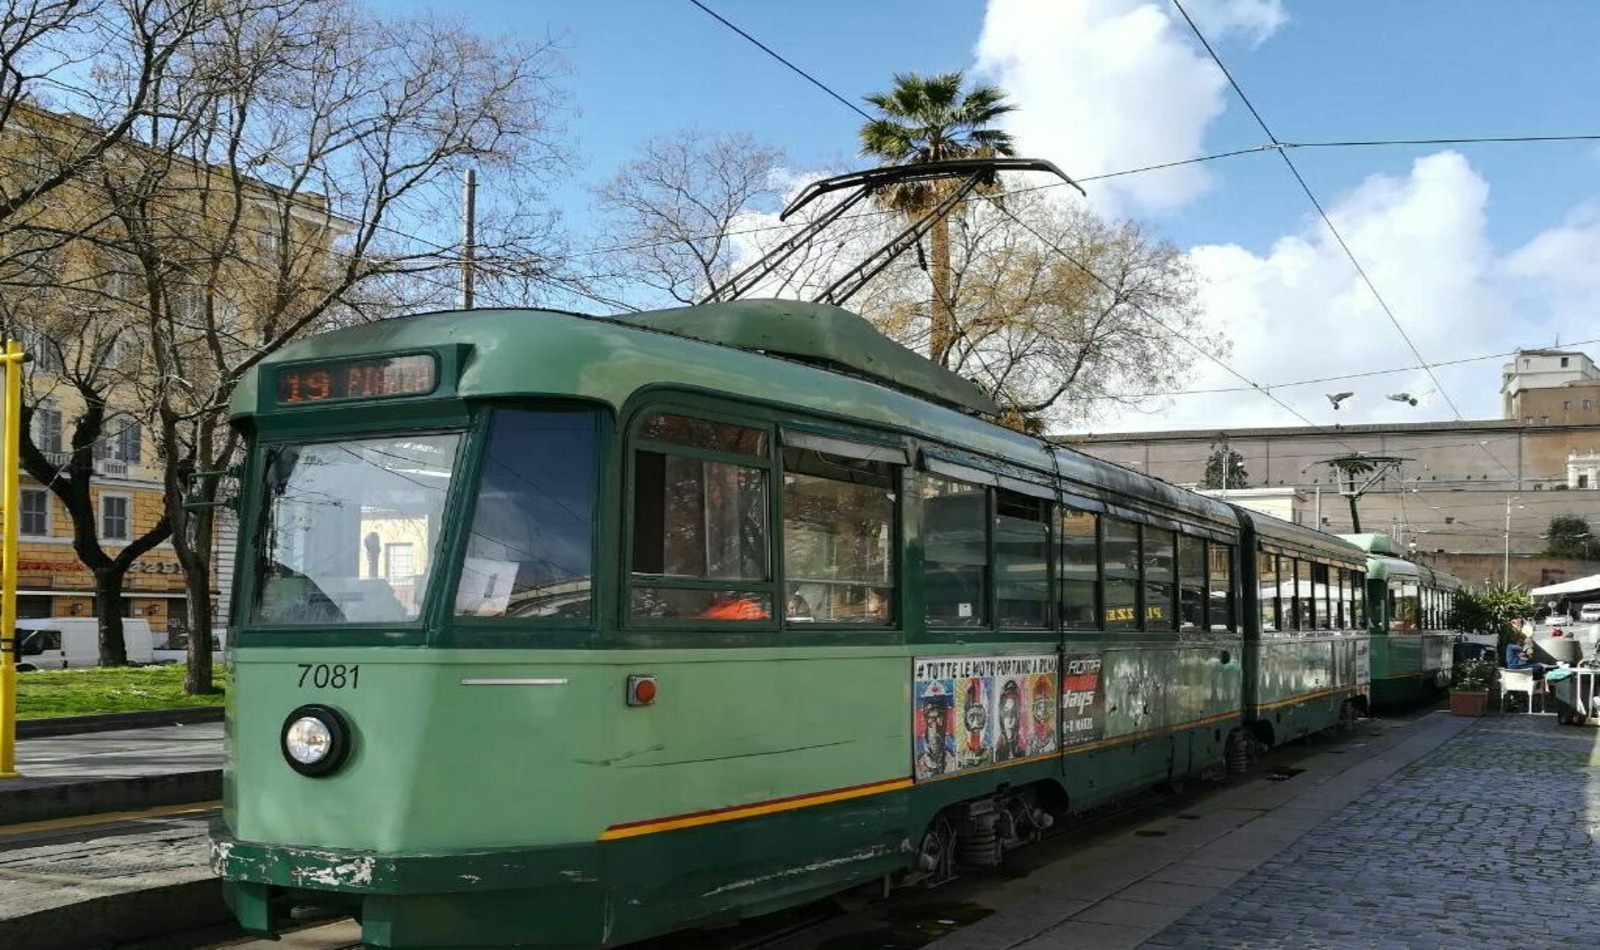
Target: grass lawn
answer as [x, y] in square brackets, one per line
[93, 690]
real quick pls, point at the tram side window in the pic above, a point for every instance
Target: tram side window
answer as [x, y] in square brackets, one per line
[1160, 575]
[1022, 559]
[1267, 590]
[1299, 580]
[838, 538]
[1122, 574]
[531, 548]
[700, 514]
[1406, 604]
[1192, 590]
[955, 558]
[1080, 569]
[1320, 599]
[1358, 600]
[1220, 560]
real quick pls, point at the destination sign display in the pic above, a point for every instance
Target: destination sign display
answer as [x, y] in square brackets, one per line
[413, 375]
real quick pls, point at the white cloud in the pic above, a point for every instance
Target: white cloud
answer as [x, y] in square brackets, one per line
[1301, 311]
[1108, 85]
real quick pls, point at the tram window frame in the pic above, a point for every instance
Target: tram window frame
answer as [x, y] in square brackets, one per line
[1159, 543]
[982, 607]
[733, 602]
[839, 462]
[1221, 583]
[1011, 510]
[1197, 585]
[1120, 617]
[1321, 595]
[473, 501]
[1094, 581]
[1267, 566]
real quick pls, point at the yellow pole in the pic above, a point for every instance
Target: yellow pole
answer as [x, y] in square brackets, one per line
[11, 489]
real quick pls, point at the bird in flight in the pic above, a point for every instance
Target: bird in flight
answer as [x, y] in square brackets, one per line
[1337, 398]
[1402, 397]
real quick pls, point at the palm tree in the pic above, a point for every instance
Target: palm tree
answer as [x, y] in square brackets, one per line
[927, 119]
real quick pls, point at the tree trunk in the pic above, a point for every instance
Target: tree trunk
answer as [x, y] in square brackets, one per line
[942, 335]
[1355, 517]
[108, 610]
[194, 553]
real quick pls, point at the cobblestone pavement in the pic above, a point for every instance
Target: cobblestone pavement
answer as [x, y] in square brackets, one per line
[1423, 859]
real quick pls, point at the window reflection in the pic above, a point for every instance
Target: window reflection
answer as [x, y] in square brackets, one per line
[838, 538]
[531, 544]
[955, 554]
[336, 512]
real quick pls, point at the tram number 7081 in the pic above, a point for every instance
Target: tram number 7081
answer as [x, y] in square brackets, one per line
[330, 675]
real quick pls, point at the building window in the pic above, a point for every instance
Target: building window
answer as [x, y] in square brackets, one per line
[400, 563]
[1588, 404]
[47, 430]
[1528, 421]
[1544, 420]
[1566, 405]
[1583, 482]
[35, 512]
[46, 352]
[114, 517]
[1563, 362]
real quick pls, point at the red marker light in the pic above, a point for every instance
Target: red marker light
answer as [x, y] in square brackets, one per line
[641, 690]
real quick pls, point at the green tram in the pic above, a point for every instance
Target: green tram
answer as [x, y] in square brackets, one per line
[1413, 625]
[553, 630]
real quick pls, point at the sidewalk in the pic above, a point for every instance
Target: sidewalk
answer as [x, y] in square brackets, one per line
[113, 771]
[1400, 846]
[70, 881]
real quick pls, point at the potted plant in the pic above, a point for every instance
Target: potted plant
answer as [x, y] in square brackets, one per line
[1470, 683]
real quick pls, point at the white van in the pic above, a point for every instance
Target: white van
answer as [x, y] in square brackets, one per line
[60, 643]
[175, 647]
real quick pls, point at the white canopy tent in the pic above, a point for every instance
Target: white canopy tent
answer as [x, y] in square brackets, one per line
[1567, 588]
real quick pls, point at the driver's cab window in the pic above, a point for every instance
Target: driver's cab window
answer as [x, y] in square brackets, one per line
[530, 550]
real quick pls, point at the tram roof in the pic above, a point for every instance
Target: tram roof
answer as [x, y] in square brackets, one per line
[611, 360]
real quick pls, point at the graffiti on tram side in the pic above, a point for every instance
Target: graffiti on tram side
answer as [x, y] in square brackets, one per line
[972, 711]
[1083, 700]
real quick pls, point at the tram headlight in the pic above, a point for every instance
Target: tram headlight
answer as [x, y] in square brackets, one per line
[315, 740]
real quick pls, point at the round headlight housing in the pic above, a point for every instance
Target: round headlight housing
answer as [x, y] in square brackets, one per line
[315, 740]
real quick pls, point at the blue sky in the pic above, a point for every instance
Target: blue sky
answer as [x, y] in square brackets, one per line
[1477, 249]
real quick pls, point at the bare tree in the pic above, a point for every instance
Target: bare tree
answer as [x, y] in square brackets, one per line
[1057, 312]
[305, 167]
[671, 210]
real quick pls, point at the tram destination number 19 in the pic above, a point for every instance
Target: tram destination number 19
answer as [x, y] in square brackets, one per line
[330, 675]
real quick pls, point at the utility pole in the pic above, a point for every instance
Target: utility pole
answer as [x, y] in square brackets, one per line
[469, 229]
[1505, 568]
[11, 503]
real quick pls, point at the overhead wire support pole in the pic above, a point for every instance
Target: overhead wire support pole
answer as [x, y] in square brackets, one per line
[469, 238]
[10, 503]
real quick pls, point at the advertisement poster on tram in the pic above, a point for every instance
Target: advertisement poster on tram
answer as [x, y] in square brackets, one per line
[1363, 661]
[1083, 702]
[973, 711]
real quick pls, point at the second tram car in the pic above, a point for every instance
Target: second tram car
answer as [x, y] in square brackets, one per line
[553, 630]
[1413, 624]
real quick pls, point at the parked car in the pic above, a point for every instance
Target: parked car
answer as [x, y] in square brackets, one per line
[60, 643]
[1589, 613]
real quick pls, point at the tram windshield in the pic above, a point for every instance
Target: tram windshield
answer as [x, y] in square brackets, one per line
[351, 528]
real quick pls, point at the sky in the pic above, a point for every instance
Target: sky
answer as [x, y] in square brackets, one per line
[1476, 248]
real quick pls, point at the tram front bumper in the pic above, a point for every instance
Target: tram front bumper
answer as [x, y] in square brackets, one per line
[421, 900]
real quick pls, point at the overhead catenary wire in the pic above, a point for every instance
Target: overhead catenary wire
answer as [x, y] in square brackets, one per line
[1333, 229]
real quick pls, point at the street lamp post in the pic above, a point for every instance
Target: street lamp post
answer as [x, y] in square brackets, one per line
[1505, 567]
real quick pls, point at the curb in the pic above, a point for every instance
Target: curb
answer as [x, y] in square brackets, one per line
[49, 801]
[109, 722]
[120, 918]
